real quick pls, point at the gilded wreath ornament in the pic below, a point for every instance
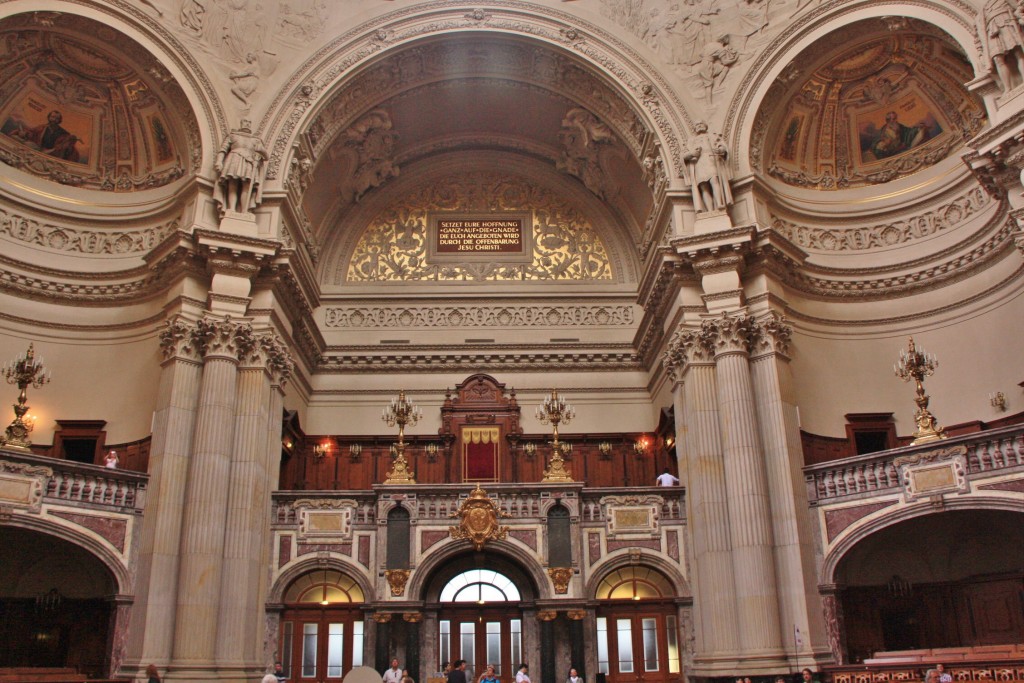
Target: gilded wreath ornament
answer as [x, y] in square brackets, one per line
[478, 520]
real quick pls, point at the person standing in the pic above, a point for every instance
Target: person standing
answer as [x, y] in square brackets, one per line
[523, 675]
[666, 479]
[394, 674]
[574, 677]
[488, 676]
[279, 672]
[458, 672]
[152, 675]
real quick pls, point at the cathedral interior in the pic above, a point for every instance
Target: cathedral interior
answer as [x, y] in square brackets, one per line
[673, 341]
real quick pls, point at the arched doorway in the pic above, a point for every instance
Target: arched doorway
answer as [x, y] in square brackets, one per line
[481, 621]
[322, 627]
[951, 579]
[637, 627]
[55, 604]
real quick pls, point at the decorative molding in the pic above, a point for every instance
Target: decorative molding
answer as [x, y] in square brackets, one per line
[367, 317]
[933, 473]
[381, 360]
[397, 578]
[478, 520]
[23, 485]
[81, 240]
[632, 516]
[322, 520]
[886, 235]
[560, 577]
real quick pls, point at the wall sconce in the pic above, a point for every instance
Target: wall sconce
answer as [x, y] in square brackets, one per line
[640, 446]
[605, 449]
[997, 400]
[431, 452]
[354, 451]
[320, 451]
[530, 449]
[670, 441]
[566, 448]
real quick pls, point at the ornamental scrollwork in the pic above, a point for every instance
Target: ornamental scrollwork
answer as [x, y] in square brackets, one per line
[560, 577]
[397, 578]
[478, 520]
[394, 246]
[366, 317]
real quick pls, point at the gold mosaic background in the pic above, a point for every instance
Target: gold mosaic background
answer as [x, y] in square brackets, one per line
[394, 246]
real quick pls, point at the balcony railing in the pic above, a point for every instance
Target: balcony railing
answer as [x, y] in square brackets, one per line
[80, 483]
[988, 451]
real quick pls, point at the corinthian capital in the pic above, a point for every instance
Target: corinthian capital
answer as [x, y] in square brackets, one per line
[225, 337]
[732, 333]
[178, 340]
[279, 359]
[773, 334]
[685, 347]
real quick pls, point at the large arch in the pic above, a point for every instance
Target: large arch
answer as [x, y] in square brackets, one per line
[316, 82]
[643, 559]
[283, 580]
[435, 570]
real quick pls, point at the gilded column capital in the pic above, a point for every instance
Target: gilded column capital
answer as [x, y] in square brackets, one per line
[178, 340]
[773, 335]
[732, 333]
[225, 337]
[688, 346]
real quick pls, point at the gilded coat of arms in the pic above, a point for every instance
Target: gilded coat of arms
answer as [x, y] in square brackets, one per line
[479, 520]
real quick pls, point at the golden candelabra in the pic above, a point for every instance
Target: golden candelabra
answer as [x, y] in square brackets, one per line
[320, 451]
[916, 364]
[555, 410]
[26, 370]
[401, 412]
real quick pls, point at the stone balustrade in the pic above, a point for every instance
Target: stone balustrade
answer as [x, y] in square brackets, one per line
[82, 484]
[989, 451]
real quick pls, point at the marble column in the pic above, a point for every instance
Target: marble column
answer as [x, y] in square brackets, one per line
[757, 600]
[690, 361]
[835, 625]
[247, 515]
[151, 637]
[206, 495]
[799, 604]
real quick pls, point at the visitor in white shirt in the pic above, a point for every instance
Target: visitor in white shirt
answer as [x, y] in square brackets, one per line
[666, 479]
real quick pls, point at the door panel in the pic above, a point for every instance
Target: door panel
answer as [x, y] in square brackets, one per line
[636, 645]
[482, 637]
[320, 645]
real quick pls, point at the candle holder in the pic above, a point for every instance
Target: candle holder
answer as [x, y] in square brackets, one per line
[555, 410]
[320, 451]
[26, 370]
[916, 364]
[401, 412]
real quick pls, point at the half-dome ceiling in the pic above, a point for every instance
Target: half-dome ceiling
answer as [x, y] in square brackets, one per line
[475, 94]
[887, 104]
[84, 105]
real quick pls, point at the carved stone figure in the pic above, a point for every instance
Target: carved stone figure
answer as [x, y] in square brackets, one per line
[752, 19]
[369, 147]
[707, 158]
[246, 79]
[718, 58]
[584, 140]
[241, 164]
[690, 30]
[193, 15]
[1005, 42]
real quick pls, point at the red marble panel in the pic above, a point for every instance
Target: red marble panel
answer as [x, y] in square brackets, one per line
[527, 537]
[594, 547]
[113, 530]
[837, 520]
[429, 538]
[672, 541]
[652, 543]
[285, 551]
[364, 551]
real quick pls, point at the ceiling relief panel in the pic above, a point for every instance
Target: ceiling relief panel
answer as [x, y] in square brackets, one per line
[83, 105]
[891, 105]
[395, 245]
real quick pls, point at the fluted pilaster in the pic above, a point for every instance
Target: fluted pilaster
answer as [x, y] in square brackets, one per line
[152, 633]
[799, 605]
[747, 487]
[689, 357]
[207, 490]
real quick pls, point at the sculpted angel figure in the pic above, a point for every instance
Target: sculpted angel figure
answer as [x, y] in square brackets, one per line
[706, 156]
[241, 165]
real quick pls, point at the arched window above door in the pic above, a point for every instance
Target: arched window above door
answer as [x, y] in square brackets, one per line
[634, 583]
[324, 587]
[480, 586]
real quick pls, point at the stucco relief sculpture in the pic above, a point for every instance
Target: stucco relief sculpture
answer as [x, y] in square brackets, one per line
[365, 155]
[1004, 40]
[246, 79]
[478, 520]
[706, 157]
[717, 58]
[240, 164]
[586, 143]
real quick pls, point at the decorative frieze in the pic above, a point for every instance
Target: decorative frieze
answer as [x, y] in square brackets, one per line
[81, 240]
[367, 317]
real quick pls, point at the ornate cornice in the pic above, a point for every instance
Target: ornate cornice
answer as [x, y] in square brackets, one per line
[373, 317]
[78, 240]
[545, 359]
